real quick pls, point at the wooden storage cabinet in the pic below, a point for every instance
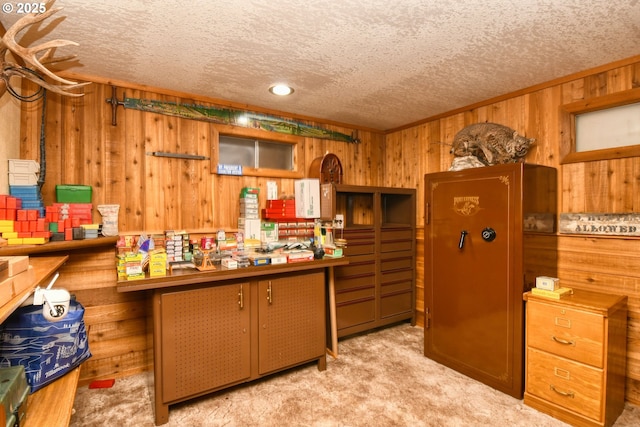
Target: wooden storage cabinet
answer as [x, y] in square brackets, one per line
[205, 339]
[576, 357]
[377, 288]
[355, 284]
[210, 336]
[291, 321]
[397, 269]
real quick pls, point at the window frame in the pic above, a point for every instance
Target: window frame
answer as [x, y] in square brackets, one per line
[228, 130]
[568, 113]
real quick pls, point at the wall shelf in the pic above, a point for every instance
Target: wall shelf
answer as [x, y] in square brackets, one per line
[51, 405]
[68, 245]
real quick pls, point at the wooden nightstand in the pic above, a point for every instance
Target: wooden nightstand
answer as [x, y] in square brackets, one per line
[576, 356]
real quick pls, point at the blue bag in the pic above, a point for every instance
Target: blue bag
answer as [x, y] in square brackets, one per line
[47, 350]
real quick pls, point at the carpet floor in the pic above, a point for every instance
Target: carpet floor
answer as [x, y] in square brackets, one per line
[379, 379]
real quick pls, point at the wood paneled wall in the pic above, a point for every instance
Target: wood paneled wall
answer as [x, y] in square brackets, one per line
[156, 194]
[606, 264]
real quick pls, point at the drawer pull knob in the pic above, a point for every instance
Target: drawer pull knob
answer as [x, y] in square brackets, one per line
[562, 393]
[561, 341]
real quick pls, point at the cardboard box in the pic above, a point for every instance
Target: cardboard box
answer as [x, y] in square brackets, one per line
[250, 228]
[300, 256]
[4, 269]
[268, 232]
[548, 283]
[307, 193]
[6, 290]
[23, 281]
[278, 259]
[16, 264]
[229, 263]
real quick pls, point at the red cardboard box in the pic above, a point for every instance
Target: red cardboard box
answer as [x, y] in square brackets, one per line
[13, 202]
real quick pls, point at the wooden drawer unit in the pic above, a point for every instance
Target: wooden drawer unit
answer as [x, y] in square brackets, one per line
[576, 356]
[393, 240]
[360, 241]
[575, 334]
[377, 288]
[576, 386]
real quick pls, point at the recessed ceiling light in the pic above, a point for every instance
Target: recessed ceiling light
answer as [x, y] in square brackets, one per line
[281, 90]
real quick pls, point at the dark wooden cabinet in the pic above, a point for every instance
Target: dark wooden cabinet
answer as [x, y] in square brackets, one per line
[206, 339]
[212, 335]
[291, 322]
[377, 288]
[475, 267]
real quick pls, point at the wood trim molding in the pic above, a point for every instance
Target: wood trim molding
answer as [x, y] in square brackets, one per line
[525, 91]
[568, 114]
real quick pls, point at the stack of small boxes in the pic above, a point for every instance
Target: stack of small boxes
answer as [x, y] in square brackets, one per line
[70, 218]
[23, 183]
[249, 219]
[158, 262]
[550, 287]
[177, 246]
[22, 213]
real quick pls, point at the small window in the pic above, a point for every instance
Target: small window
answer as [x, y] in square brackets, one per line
[601, 128]
[257, 155]
[608, 128]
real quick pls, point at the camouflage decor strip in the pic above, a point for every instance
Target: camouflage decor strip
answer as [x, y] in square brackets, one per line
[236, 118]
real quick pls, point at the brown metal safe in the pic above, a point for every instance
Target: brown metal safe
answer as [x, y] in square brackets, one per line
[475, 255]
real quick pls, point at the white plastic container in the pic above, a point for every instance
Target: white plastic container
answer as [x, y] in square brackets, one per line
[23, 166]
[23, 179]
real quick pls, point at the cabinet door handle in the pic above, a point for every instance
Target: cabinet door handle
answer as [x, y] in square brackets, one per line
[561, 341]
[241, 298]
[269, 293]
[562, 393]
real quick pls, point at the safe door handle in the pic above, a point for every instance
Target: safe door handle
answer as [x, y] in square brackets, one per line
[463, 236]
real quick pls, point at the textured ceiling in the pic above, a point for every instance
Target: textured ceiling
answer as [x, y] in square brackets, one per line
[376, 63]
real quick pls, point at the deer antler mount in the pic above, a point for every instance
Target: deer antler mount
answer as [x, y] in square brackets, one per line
[34, 57]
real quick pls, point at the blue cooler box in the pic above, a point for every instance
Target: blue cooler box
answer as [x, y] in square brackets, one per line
[47, 350]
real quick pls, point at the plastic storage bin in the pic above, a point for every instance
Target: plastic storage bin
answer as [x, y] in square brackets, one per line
[73, 193]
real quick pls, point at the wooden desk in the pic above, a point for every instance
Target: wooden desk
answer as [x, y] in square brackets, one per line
[245, 324]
